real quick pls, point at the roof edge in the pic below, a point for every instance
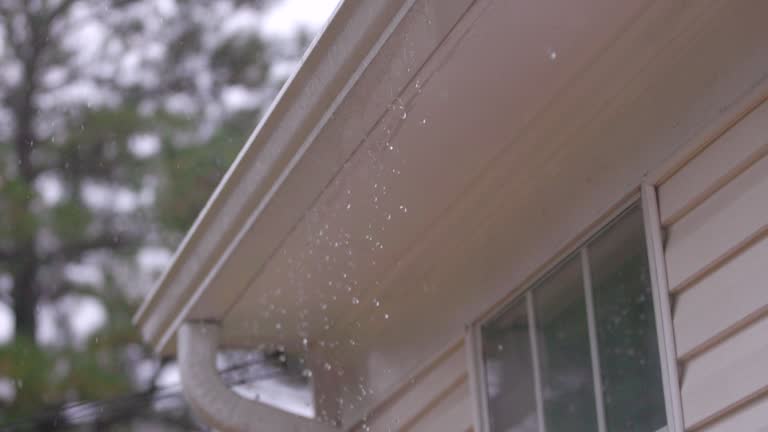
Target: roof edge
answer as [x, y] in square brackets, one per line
[329, 64]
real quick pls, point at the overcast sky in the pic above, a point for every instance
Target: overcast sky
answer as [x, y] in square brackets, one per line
[282, 19]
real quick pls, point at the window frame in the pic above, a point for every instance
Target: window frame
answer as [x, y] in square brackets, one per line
[645, 199]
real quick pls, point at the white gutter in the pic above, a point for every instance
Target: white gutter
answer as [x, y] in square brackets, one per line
[217, 404]
[332, 65]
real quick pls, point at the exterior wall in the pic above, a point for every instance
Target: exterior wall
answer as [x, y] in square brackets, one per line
[435, 399]
[714, 209]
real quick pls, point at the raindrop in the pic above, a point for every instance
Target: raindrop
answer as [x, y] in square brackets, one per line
[424, 121]
[355, 300]
[404, 115]
[553, 55]
[376, 302]
[327, 366]
[278, 326]
[386, 316]
[306, 373]
[349, 206]
[404, 209]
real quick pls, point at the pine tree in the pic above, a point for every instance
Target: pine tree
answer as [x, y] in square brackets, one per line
[118, 118]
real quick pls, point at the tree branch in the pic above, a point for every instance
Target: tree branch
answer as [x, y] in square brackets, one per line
[59, 10]
[7, 18]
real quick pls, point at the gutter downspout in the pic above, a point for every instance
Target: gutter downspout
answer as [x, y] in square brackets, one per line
[216, 403]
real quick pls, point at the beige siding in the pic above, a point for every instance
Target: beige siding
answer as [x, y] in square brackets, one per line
[715, 212]
[435, 399]
[715, 167]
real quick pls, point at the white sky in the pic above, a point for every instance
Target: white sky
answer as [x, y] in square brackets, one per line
[284, 17]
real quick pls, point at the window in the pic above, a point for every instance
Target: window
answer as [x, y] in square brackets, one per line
[578, 351]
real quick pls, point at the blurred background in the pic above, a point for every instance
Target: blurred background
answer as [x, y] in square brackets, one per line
[118, 118]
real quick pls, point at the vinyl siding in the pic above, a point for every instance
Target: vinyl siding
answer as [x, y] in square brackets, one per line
[715, 213]
[435, 399]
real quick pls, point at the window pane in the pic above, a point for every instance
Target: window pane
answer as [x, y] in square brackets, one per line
[626, 329]
[563, 335]
[509, 374]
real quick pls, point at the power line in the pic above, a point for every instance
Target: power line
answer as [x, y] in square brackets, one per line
[94, 411]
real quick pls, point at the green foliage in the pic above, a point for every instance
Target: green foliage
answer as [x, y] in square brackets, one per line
[25, 361]
[73, 121]
[97, 146]
[17, 223]
[241, 61]
[70, 220]
[193, 172]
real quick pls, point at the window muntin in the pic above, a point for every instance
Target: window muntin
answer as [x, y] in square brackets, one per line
[564, 356]
[590, 324]
[626, 327]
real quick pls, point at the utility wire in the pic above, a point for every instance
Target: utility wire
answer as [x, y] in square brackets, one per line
[93, 411]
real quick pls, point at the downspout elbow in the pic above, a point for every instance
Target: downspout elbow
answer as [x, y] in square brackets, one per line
[217, 404]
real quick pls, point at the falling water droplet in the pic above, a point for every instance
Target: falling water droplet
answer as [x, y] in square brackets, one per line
[553, 55]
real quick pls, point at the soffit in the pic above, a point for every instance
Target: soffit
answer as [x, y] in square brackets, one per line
[529, 122]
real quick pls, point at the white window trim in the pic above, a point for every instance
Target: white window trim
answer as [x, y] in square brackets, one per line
[477, 385]
[597, 376]
[661, 305]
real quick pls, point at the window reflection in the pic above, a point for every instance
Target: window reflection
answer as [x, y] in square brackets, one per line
[566, 369]
[626, 356]
[626, 328]
[509, 372]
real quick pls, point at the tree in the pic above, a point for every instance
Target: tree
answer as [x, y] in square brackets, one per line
[118, 119]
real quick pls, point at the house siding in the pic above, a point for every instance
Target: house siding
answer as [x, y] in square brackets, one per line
[435, 399]
[714, 210]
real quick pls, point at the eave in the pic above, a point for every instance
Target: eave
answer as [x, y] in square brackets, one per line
[293, 154]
